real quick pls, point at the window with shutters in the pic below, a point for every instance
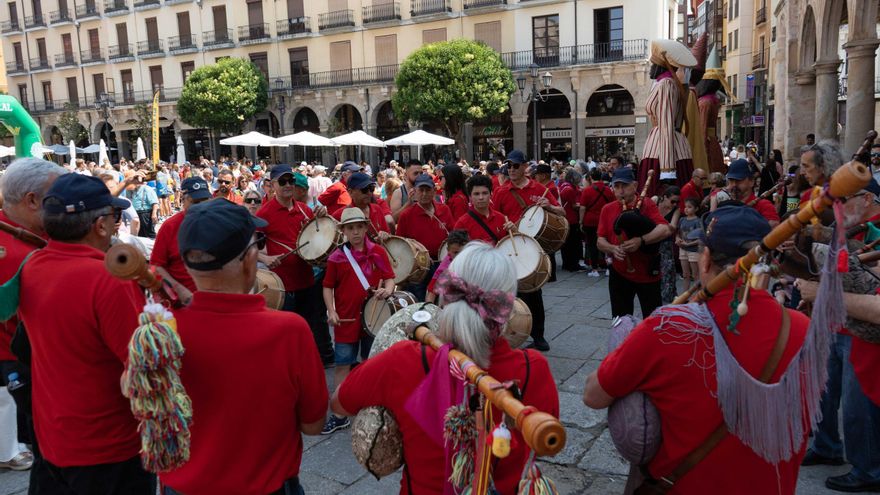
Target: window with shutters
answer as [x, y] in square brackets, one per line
[295, 9]
[122, 38]
[47, 93]
[386, 50]
[23, 95]
[340, 61]
[608, 35]
[127, 85]
[13, 14]
[184, 29]
[98, 84]
[337, 5]
[489, 33]
[261, 60]
[67, 46]
[545, 39]
[16, 49]
[41, 49]
[156, 79]
[299, 66]
[220, 30]
[433, 35]
[73, 91]
[187, 68]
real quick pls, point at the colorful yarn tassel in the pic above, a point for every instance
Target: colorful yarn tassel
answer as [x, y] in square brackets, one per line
[460, 429]
[534, 482]
[151, 381]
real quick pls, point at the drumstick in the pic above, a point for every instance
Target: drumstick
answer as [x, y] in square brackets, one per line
[285, 255]
[347, 320]
[512, 240]
[542, 197]
[393, 259]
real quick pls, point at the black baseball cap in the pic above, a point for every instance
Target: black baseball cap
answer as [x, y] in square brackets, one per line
[739, 170]
[78, 193]
[623, 174]
[218, 227]
[424, 180]
[279, 170]
[195, 188]
[359, 180]
[543, 168]
[729, 228]
[516, 156]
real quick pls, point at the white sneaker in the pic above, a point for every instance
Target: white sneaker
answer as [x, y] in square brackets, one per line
[593, 273]
[607, 273]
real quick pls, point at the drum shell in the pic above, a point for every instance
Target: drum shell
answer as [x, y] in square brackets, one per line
[377, 311]
[306, 235]
[270, 286]
[415, 251]
[527, 249]
[519, 326]
[552, 232]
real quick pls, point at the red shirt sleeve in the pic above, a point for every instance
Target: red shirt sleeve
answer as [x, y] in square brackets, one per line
[766, 209]
[329, 196]
[606, 221]
[626, 367]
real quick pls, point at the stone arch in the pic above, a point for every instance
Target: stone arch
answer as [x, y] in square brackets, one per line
[376, 112]
[621, 100]
[387, 124]
[52, 135]
[346, 118]
[864, 25]
[304, 119]
[808, 42]
[828, 34]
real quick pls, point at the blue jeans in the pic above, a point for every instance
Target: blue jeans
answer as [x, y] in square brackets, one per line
[861, 417]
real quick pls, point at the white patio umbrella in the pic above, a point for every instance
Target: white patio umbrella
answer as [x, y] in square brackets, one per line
[7, 151]
[181, 151]
[358, 138]
[102, 152]
[141, 153]
[72, 151]
[420, 138]
[304, 138]
[252, 138]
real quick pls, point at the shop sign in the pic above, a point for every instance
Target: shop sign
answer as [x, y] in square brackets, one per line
[610, 132]
[557, 134]
[493, 130]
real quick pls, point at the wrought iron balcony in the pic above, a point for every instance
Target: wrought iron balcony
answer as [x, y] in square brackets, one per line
[177, 44]
[15, 67]
[60, 16]
[40, 64]
[65, 60]
[382, 12]
[429, 7]
[138, 97]
[145, 4]
[117, 53]
[337, 19]
[115, 7]
[150, 48]
[616, 51]
[336, 78]
[253, 33]
[88, 9]
[759, 60]
[293, 27]
[10, 26]
[474, 4]
[91, 56]
[175, 2]
[217, 39]
[761, 16]
[34, 21]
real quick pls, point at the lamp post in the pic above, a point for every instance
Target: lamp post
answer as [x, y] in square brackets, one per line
[534, 96]
[104, 103]
[281, 91]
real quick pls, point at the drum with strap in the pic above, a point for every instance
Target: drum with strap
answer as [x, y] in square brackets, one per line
[519, 327]
[270, 287]
[549, 229]
[318, 239]
[409, 259]
[377, 311]
[531, 262]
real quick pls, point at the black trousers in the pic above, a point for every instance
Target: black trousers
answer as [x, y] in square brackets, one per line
[146, 229]
[624, 291]
[118, 478]
[535, 302]
[309, 303]
[594, 257]
[571, 250]
[420, 290]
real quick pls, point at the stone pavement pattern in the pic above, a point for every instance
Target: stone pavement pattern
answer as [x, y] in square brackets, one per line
[578, 317]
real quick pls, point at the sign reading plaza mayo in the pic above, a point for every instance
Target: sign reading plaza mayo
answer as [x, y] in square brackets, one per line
[610, 132]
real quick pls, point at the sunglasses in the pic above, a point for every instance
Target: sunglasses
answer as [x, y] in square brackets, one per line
[259, 241]
[368, 189]
[875, 154]
[514, 165]
[284, 182]
[117, 215]
[253, 201]
[224, 182]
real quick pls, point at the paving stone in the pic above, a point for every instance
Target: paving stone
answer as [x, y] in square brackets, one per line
[572, 411]
[368, 485]
[604, 483]
[579, 342]
[310, 441]
[343, 468]
[562, 368]
[575, 383]
[569, 480]
[576, 444]
[602, 458]
[313, 483]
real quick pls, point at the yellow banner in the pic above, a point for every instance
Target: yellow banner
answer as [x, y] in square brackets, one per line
[155, 130]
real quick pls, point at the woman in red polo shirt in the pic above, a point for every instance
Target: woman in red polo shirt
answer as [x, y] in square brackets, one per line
[388, 379]
[452, 182]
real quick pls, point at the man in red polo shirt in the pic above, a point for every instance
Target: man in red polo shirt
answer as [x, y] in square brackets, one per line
[165, 255]
[671, 358]
[741, 187]
[79, 327]
[482, 222]
[694, 188]
[254, 376]
[360, 188]
[335, 197]
[593, 198]
[633, 271]
[226, 189]
[429, 223]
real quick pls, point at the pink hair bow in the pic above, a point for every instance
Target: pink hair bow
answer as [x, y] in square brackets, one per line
[494, 306]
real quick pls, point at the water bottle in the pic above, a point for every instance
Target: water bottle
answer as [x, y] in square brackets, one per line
[13, 383]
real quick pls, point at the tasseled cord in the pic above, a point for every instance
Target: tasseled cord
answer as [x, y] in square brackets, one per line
[460, 428]
[534, 482]
[151, 382]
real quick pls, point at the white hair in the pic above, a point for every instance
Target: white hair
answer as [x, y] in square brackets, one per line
[27, 175]
[483, 266]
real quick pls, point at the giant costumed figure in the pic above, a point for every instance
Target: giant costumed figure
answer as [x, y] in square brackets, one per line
[709, 104]
[694, 131]
[666, 151]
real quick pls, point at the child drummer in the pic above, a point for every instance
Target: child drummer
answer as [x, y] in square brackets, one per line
[355, 269]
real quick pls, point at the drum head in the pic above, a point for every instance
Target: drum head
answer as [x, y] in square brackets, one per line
[402, 257]
[270, 287]
[524, 251]
[394, 329]
[377, 311]
[532, 221]
[321, 235]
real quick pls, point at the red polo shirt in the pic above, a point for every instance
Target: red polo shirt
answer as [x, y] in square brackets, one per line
[16, 251]
[166, 251]
[661, 364]
[593, 198]
[865, 356]
[458, 205]
[690, 190]
[504, 201]
[79, 319]
[335, 197]
[271, 351]
[645, 270]
[495, 222]
[430, 230]
[765, 208]
[376, 217]
[401, 365]
[281, 233]
[569, 196]
[349, 295]
[232, 196]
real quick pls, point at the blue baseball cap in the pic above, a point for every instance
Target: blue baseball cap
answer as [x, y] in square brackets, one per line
[424, 180]
[359, 180]
[78, 193]
[727, 229]
[624, 175]
[515, 156]
[739, 170]
[351, 166]
[218, 227]
[279, 170]
[195, 188]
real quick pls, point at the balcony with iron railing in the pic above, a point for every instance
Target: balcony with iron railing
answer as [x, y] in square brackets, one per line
[65, 60]
[91, 56]
[254, 33]
[40, 64]
[175, 2]
[86, 10]
[182, 44]
[150, 48]
[289, 28]
[139, 97]
[761, 16]
[60, 16]
[15, 67]
[120, 53]
[476, 4]
[34, 21]
[760, 59]
[420, 8]
[145, 4]
[115, 8]
[10, 26]
[213, 40]
[382, 12]
[335, 20]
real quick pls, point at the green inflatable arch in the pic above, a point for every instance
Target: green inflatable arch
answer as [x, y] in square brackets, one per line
[27, 133]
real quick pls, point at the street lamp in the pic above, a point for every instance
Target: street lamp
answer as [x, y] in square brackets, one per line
[104, 103]
[534, 96]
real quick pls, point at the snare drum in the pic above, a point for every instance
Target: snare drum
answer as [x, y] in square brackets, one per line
[409, 259]
[318, 239]
[531, 262]
[519, 326]
[377, 311]
[271, 288]
[549, 229]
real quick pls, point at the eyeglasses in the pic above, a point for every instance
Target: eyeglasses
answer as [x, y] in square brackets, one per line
[514, 165]
[284, 182]
[116, 213]
[224, 182]
[254, 201]
[259, 241]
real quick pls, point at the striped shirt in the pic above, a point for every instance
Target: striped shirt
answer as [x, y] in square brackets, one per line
[664, 107]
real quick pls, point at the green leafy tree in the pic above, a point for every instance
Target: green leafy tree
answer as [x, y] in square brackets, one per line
[454, 82]
[69, 125]
[221, 97]
[143, 125]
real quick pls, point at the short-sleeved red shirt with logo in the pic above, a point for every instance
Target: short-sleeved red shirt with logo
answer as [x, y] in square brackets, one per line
[335, 197]
[166, 251]
[495, 222]
[505, 201]
[271, 351]
[16, 251]
[281, 233]
[389, 378]
[458, 205]
[593, 198]
[430, 230]
[661, 363]
[645, 268]
[765, 208]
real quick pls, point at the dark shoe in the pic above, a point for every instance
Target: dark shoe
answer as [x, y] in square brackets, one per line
[333, 424]
[849, 483]
[814, 459]
[540, 345]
